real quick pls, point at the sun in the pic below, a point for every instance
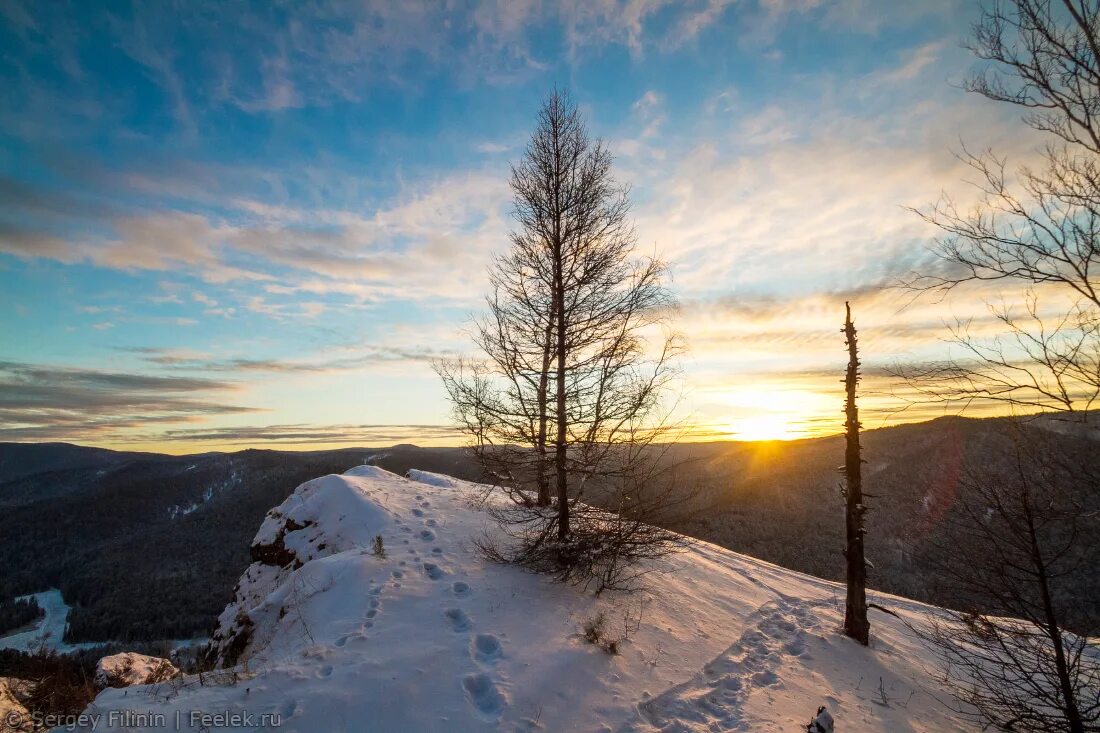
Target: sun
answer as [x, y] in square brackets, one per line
[770, 412]
[764, 427]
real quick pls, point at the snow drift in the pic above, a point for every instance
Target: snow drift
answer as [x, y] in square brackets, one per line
[323, 634]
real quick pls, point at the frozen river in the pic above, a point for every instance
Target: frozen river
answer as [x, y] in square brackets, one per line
[49, 632]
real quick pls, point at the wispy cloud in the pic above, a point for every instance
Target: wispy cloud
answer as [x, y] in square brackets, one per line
[44, 402]
[307, 434]
[352, 358]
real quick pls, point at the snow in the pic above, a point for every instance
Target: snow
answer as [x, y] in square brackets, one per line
[432, 637]
[432, 479]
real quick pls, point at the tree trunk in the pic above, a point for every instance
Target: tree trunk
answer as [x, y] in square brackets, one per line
[559, 451]
[542, 479]
[559, 309]
[855, 605]
[1054, 629]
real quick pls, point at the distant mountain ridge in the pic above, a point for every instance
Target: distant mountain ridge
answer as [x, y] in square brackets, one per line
[148, 546]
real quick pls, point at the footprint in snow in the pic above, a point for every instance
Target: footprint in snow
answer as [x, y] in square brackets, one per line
[766, 678]
[430, 522]
[427, 535]
[437, 550]
[483, 694]
[433, 571]
[460, 588]
[326, 671]
[457, 618]
[486, 648]
[418, 512]
[355, 636]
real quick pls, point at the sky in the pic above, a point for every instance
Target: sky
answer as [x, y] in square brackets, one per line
[241, 224]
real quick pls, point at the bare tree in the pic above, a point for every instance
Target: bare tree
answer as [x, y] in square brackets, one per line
[1019, 666]
[576, 352]
[1034, 230]
[1038, 229]
[855, 605]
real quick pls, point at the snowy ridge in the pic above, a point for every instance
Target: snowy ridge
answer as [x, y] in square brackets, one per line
[327, 636]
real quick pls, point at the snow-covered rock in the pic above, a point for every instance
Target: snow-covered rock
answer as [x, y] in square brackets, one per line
[131, 668]
[822, 722]
[324, 635]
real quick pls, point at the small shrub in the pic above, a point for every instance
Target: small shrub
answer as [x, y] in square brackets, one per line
[377, 548]
[595, 632]
[594, 628]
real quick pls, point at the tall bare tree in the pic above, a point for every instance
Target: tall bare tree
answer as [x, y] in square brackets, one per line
[855, 605]
[1033, 230]
[576, 350]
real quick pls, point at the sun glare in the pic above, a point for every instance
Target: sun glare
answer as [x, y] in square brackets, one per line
[764, 427]
[779, 413]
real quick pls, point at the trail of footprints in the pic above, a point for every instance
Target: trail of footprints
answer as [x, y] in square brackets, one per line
[484, 650]
[715, 697]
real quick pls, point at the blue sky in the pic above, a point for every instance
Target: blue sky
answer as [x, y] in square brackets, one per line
[228, 224]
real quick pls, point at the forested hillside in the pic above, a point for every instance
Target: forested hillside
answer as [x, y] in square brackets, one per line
[147, 547]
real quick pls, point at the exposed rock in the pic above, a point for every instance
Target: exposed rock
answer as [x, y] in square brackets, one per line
[131, 668]
[13, 693]
[275, 553]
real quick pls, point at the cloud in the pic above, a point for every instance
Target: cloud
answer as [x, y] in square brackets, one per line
[492, 148]
[346, 359]
[304, 434]
[41, 402]
[30, 244]
[431, 239]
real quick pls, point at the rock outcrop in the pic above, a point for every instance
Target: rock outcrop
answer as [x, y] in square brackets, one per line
[14, 716]
[131, 668]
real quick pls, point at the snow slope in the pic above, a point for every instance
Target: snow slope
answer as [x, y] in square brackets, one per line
[434, 638]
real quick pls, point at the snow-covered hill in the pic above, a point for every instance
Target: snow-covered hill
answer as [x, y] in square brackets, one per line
[327, 636]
